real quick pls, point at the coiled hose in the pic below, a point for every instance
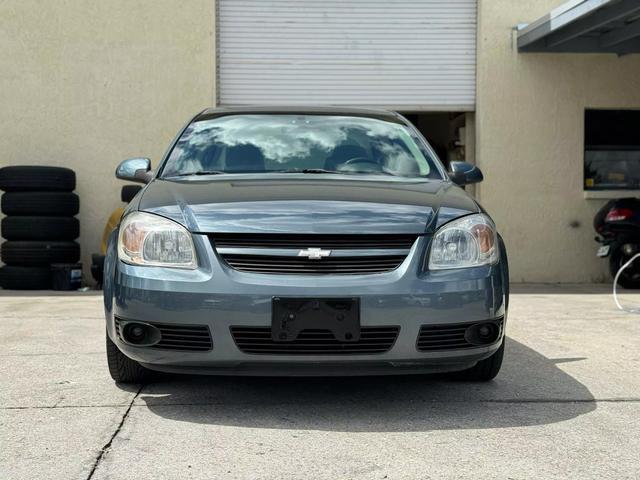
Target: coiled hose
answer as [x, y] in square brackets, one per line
[615, 286]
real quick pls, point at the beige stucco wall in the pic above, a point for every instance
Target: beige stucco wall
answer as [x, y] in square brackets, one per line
[87, 83]
[530, 119]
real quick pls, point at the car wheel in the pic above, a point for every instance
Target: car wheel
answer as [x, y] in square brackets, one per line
[484, 370]
[122, 368]
[34, 178]
[59, 204]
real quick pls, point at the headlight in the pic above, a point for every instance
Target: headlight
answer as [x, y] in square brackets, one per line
[467, 242]
[147, 239]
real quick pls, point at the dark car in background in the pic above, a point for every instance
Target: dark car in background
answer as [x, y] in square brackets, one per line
[304, 241]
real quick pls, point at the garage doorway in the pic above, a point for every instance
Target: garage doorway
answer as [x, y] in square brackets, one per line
[451, 134]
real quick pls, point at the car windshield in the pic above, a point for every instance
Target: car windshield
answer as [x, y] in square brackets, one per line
[292, 143]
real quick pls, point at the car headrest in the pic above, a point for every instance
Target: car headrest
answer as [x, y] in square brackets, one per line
[241, 158]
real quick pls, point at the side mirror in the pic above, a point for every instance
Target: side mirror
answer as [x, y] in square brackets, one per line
[463, 173]
[135, 170]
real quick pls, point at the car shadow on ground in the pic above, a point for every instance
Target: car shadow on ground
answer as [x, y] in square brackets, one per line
[531, 389]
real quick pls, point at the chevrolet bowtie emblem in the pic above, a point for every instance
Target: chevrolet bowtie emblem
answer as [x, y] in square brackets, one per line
[314, 253]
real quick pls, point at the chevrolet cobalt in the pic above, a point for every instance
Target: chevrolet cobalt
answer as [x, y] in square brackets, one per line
[304, 241]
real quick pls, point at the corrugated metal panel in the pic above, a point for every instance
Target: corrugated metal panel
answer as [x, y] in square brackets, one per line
[403, 54]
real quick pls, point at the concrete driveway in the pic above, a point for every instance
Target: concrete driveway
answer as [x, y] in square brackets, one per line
[566, 405]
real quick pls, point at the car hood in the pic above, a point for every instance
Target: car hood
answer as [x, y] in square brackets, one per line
[300, 204]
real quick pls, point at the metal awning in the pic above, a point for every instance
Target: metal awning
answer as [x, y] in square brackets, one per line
[585, 26]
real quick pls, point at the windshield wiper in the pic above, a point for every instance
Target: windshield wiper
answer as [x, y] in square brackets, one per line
[199, 172]
[340, 172]
[293, 170]
[369, 172]
[307, 170]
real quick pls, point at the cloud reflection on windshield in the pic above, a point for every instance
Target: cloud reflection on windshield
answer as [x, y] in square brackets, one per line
[294, 141]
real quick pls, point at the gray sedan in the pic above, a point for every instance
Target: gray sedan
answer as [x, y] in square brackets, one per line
[288, 241]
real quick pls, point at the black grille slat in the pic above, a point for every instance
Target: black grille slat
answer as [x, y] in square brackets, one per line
[445, 337]
[438, 344]
[180, 341]
[303, 342]
[257, 340]
[181, 331]
[184, 337]
[269, 240]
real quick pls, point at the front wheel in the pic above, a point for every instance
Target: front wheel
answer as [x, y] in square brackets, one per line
[484, 370]
[122, 368]
[630, 277]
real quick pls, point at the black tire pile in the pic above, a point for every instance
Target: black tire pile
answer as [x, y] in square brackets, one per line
[39, 227]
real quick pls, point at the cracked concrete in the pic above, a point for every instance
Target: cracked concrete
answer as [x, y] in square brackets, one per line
[107, 445]
[566, 405]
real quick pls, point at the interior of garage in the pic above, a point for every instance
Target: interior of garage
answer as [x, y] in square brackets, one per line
[446, 132]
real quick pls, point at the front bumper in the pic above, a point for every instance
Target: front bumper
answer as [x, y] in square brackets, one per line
[220, 297]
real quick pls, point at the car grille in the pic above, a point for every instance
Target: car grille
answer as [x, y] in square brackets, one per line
[257, 340]
[445, 337]
[180, 337]
[299, 265]
[295, 241]
[279, 254]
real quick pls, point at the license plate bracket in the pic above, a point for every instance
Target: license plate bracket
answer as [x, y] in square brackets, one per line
[290, 316]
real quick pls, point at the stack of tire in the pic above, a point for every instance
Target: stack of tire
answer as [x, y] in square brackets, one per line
[39, 226]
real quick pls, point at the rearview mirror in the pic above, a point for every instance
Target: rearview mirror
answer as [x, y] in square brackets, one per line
[135, 169]
[463, 173]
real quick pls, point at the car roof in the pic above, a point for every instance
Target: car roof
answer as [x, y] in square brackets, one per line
[379, 114]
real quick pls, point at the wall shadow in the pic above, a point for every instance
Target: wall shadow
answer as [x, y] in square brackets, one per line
[530, 390]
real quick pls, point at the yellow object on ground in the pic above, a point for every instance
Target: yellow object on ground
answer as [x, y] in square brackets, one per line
[112, 223]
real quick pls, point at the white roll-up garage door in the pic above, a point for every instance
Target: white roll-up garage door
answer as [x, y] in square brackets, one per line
[402, 54]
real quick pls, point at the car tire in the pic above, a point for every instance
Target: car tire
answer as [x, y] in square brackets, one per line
[37, 178]
[485, 370]
[39, 253]
[25, 278]
[122, 368]
[40, 228]
[61, 204]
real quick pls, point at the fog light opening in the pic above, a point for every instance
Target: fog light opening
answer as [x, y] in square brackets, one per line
[140, 334]
[136, 332]
[482, 333]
